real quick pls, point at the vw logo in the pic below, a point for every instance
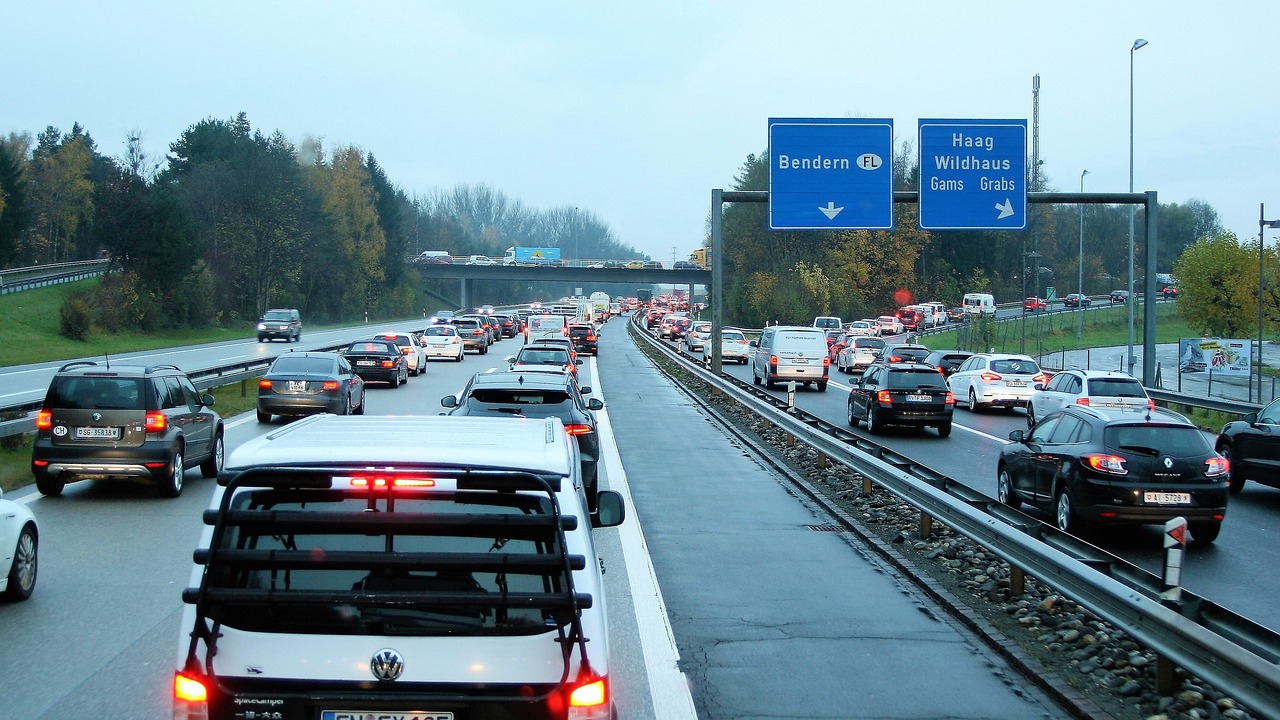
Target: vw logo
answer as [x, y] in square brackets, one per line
[387, 664]
[1168, 462]
[97, 417]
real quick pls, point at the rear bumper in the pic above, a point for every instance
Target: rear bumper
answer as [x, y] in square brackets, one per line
[71, 464]
[300, 405]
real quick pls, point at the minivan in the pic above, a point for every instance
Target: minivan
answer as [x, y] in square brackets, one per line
[789, 352]
[979, 304]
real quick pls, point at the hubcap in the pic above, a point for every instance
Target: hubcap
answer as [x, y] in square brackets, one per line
[25, 561]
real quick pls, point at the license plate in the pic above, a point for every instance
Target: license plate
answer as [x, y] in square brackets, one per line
[919, 398]
[98, 433]
[800, 361]
[366, 363]
[297, 385]
[1015, 383]
[383, 714]
[1166, 498]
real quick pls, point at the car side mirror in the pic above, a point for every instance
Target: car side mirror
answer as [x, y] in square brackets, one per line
[577, 362]
[207, 400]
[584, 390]
[1038, 386]
[595, 404]
[610, 509]
[755, 343]
[1251, 418]
[511, 359]
[1018, 436]
[449, 401]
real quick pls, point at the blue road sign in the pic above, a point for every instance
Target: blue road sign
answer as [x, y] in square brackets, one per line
[830, 174]
[973, 174]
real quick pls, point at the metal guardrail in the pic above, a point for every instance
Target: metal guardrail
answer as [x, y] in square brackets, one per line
[1236, 655]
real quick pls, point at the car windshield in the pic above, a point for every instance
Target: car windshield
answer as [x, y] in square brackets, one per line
[542, 357]
[95, 393]
[1015, 366]
[869, 343]
[440, 331]
[734, 335]
[910, 354]
[1116, 387]
[1176, 440]
[303, 365]
[922, 378]
[277, 316]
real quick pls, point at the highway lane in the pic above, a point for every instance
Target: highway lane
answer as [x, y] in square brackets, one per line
[1234, 572]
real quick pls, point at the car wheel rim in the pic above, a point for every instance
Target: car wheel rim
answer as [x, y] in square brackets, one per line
[1064, 512]
[973, 400]
[1002, 488]
[24, 561]
[219, 451]
[175, 481]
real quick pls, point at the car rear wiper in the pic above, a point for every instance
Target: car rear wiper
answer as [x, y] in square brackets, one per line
[1141, 449]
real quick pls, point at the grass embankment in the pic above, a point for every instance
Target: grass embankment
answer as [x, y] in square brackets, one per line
[1055, 332]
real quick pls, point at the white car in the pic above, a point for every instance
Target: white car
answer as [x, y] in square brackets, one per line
[995, 380]
[355, 571]
[889, 325]
[442, 341]
[734, 347]
[480, 260]
[1095, 388]
[696, 337]
[862, 327]
[409, 346]
[19, 546]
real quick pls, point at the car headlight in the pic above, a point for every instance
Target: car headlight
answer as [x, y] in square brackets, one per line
[262, 326]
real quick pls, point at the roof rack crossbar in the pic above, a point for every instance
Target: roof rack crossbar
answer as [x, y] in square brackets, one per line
[527, 564]
[383, 598]
[276, 522]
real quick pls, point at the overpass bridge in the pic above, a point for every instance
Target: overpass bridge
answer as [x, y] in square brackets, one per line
[468, 274]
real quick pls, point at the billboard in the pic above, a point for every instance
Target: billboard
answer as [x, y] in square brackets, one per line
[1215, 355]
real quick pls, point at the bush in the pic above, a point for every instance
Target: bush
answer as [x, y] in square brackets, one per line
[76, 317]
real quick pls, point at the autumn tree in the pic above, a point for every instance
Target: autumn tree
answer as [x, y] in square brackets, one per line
[1218, 285]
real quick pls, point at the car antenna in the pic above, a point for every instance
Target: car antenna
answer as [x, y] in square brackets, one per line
[107, 358]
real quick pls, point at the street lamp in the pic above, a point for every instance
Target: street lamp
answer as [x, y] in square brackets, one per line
[1262, 224]
[1080, 273]
[1137, 45]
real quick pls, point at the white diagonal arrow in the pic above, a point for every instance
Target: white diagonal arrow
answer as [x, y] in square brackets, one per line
[831, 211]
[1005, 209]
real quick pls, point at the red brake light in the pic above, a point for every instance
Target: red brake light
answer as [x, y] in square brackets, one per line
[189, 689]
[1110, 464]
[990, 376]
[156, 421]
[383, 481]
[44, 420]
[388, 363]
[1082, 401]
[265, 384]
[591, 694]
[1040, 377]
[1216, 466]
[331, 385]
[773, 360]
[883, 398]
[578, 429]
[951, 398]
[405, 350]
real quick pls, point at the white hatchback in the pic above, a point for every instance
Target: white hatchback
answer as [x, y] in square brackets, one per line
[409, 346]
[734, 347]
[442, 341]
[1095, 388]
[995, 380]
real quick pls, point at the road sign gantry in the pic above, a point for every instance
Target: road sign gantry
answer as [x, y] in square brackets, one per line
[830, 174]
[973, 174]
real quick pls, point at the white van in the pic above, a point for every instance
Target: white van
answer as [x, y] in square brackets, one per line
[979, 304]
[787, 352]
[540, 326]
[828, 322]
[935, 313]
[351, 570]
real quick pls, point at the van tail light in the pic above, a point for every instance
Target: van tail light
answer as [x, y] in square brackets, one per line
[990, 376]
[330, 385]
[578, 429]
[264, 384]
[156, 422]
[190, 698]
[826, 361]
[883, 398]
[773, 360]
[1216, 466]
[1110, 464]
[44, 420]
[951, 398]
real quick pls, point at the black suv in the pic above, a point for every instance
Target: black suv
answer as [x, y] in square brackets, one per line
[1112, 465]
[583, 336]
[286, 323]
[904, 353]
[103, 421]
[904, 394]
[538, 394]
[1252, 444]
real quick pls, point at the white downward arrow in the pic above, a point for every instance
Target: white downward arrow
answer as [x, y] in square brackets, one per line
[831, 211]
[1005, 209]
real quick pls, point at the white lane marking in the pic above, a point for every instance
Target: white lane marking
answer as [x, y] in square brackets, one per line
[668, 687]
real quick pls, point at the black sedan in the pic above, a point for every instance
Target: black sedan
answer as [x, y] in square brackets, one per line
[310, 383]
[1252, 444]
[903, 394]
[378, 360]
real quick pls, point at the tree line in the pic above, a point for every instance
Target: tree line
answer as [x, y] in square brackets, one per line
[233, 221]
[788, 276]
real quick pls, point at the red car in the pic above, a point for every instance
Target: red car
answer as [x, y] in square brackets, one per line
[1033, 304]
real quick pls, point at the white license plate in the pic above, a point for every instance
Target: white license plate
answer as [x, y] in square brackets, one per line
[800, 361]
[919, 398]
[98, 433]
[382, 714]
[297, 385]
[1166, 498]
[1015, 383]
[366, 363]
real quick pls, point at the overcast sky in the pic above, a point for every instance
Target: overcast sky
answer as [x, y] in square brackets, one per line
[636, 111]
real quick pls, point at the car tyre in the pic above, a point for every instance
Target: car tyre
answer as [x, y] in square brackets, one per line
[973, 401]
[359, 409]
[49, 487]
[873, 425]
[944, 430]
[1204, 533]
[1031, 415]
[264, 417]
[1235, 478]
[822, 385]
[171, 486]
[755, 378]
[854, 420]
[395, 380]
[1004, 490]
[22, 573]
[1064, 515]
[213, 464]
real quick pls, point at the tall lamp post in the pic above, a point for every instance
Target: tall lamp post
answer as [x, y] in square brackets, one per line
[1137, 45]
[1080, 273]
[1262, 225]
